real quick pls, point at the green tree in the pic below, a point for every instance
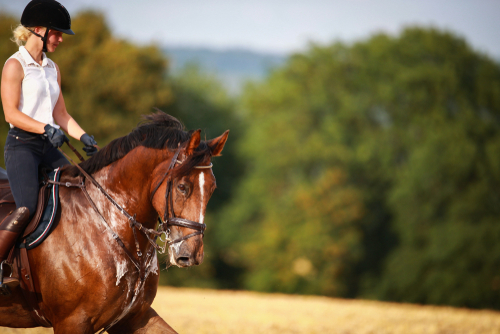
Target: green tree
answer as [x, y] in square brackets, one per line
[294, 224]
[444, 196]
[372, 171]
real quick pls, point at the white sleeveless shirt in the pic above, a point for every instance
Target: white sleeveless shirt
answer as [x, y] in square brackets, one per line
[40, 89]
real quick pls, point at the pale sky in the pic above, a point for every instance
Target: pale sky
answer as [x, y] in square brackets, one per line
[284, 26]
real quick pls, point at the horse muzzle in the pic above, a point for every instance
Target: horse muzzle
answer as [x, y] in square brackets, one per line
[187, 253]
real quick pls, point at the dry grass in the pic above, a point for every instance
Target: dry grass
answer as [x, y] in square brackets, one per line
[194, 311]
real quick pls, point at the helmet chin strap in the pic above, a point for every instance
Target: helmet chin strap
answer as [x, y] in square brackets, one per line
[44, 38]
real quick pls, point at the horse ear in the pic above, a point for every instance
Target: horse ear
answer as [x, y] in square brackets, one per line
[217, 144]
[194, 142]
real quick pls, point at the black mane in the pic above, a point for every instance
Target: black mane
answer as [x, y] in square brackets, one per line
[158, 131]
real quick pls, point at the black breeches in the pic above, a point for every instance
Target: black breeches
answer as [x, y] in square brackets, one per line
[24, 152]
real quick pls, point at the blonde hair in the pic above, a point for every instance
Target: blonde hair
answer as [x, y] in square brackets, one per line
[21, 35]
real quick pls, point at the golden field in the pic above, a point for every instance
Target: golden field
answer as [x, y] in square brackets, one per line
[196, 311]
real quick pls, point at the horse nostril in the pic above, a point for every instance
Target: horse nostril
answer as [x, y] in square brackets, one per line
[183, 261]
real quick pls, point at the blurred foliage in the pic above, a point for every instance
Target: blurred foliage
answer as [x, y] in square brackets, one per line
[373, 171]
[367, 170]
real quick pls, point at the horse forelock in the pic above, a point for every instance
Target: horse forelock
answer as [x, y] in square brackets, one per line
[158, 131]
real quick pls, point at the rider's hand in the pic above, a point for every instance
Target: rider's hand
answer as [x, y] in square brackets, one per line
[55, 136]
[90, 144]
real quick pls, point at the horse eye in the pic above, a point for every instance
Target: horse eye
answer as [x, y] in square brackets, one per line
[181, 187]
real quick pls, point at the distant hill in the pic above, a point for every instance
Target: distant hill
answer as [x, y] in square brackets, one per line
[234, 67]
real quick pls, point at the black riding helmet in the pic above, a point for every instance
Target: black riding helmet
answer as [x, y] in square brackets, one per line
[46, 13]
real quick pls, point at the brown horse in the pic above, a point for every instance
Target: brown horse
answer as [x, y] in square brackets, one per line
[86, 280]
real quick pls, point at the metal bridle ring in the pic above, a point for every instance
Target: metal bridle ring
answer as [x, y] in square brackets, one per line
[166, 234]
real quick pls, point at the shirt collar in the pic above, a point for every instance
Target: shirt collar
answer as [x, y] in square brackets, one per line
[29, 60]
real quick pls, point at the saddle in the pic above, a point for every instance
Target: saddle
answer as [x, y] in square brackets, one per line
[18, 256]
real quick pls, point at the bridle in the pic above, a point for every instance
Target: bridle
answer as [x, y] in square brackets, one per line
[169, 218]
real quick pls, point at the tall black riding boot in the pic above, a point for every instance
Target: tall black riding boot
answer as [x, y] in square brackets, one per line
[10, 228]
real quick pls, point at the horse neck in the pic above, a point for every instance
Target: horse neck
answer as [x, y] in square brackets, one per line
[129, 179]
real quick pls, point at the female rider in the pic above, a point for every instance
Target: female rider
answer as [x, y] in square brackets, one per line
[34, 106]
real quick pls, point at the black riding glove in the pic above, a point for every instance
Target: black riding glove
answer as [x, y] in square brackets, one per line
[90, 144]
[55, 136]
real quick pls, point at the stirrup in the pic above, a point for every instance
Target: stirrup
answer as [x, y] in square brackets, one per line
[7, 283]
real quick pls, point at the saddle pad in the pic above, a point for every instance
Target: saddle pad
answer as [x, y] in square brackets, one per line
[49, 214]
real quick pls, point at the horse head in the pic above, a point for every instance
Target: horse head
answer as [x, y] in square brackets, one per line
[183, 186]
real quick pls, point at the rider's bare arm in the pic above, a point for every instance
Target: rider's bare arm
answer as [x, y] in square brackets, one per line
[12, 77]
